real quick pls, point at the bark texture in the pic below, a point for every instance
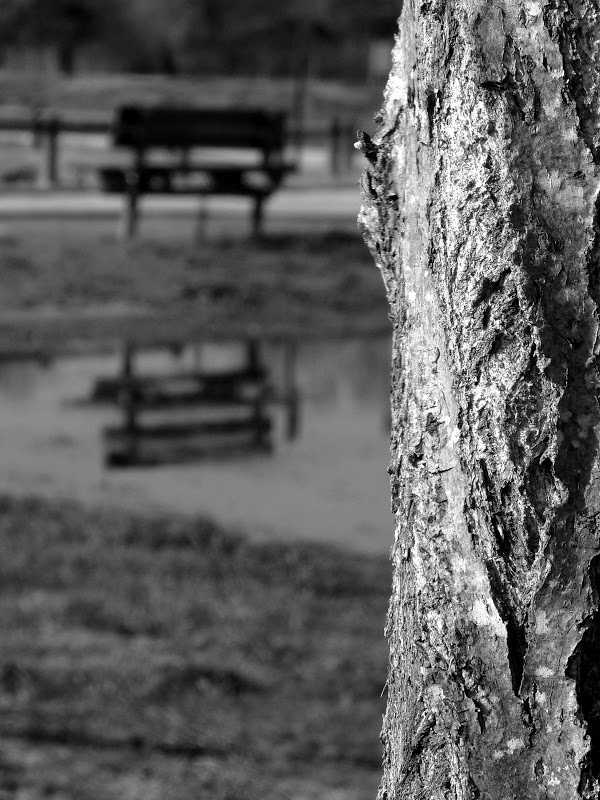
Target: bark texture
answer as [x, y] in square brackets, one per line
[479, 205]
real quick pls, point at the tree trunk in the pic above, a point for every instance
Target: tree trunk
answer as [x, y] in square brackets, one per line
[480, 209]
[66, 57]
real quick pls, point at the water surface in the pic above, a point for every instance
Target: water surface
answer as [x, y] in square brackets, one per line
[330, 485]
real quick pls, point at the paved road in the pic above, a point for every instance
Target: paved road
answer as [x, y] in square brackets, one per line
[325, 203]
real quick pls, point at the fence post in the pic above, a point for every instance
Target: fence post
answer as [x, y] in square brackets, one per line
[52, 133]
[336, 132]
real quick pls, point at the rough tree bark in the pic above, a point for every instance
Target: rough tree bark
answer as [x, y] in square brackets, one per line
[479, 205]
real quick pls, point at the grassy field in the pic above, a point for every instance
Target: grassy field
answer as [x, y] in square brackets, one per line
[313, 280]
[166, 658]
[74, 268]
[103, 93]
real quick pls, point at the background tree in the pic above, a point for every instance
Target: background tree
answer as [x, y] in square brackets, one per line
[480, 209]
[65, 25]
[201, 36]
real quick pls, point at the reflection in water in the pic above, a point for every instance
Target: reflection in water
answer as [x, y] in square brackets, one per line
[331, 484]
[329, 374]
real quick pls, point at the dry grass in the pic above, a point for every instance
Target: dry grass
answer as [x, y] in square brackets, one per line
[311, 279]
[166, 658]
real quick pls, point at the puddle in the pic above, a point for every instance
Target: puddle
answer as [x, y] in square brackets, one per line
[329, 485]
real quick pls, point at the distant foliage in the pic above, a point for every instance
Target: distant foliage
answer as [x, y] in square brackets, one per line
[65, 25]
[204, 36]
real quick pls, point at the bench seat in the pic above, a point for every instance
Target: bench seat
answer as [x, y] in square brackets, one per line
[201, 179]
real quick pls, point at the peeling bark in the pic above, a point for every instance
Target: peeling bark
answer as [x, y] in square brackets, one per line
[480, 208]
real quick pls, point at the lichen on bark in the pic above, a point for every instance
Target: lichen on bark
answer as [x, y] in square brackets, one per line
[480, 208]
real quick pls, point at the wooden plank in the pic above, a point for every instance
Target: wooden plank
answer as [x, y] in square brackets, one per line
[139, 126]
[171, 442]
[172, 430]
[152, 454]
[200, 387]
[166, 400]
[253, 373]
[197, 179]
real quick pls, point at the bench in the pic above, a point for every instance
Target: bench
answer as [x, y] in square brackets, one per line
[199, 412]
[255, 170]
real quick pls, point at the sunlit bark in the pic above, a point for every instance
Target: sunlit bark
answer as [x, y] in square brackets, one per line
[480, 210]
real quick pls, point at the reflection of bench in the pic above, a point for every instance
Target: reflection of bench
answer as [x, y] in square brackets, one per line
[171, 417]
[255, 171]
[232, 405]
